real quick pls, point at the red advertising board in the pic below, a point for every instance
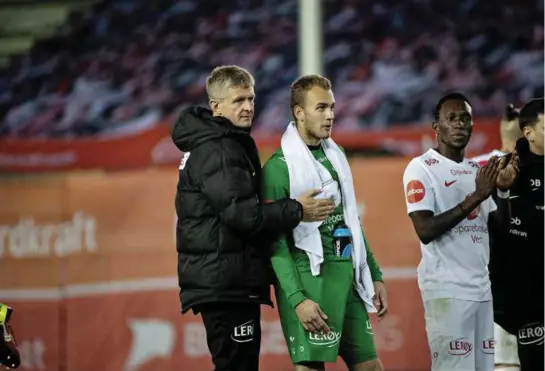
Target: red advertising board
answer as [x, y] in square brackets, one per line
[153, 146]
[88, 262]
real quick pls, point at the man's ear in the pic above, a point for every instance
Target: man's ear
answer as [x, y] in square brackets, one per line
[434, 126]
[527, 131]
[299, 113]
[214, 106]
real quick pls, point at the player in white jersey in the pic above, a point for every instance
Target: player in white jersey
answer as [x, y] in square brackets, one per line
[448, 200]
[505, 348]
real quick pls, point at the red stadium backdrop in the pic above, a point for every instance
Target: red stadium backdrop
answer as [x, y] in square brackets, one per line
[153, 146]
[88, 262]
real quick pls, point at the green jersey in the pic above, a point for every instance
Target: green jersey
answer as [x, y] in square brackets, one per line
[287, 259]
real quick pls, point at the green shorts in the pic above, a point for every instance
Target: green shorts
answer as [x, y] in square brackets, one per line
[351, 334]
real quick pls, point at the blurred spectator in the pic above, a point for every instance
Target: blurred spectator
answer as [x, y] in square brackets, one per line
[124, 65]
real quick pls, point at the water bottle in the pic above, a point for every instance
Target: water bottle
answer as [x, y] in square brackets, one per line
[5, 313]
[342, 240]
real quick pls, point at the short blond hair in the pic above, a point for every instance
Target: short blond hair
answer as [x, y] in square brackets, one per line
[303, 85]
[509, 130]
[224, 77]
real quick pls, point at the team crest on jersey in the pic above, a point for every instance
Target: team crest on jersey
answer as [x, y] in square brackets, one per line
[475, 164]
[431, 161]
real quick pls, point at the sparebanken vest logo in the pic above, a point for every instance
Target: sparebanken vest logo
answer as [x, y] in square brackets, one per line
[244, 333]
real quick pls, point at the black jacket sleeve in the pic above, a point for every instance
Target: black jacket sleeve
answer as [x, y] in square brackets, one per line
[226, 181]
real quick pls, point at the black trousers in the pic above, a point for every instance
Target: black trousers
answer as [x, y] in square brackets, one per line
[233, 334]
[530, 347]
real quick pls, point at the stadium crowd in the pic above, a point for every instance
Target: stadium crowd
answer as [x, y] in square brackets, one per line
[125, 65]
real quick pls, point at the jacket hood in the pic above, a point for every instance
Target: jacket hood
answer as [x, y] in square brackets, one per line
[196, 125]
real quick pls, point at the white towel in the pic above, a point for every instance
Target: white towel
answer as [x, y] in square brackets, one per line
[306, 173]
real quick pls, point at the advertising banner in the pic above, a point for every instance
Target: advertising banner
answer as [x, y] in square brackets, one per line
[88, 262]
[153, 146]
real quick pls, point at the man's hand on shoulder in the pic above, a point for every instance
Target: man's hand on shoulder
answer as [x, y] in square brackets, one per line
[314, 209]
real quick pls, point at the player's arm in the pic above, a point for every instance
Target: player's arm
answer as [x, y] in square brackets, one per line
[420, 200]
[502, 214]
[380, 300]
[276, 187]
[229, 187]
[498, 204]
[309, 313]
[500, 211]
[286, 273]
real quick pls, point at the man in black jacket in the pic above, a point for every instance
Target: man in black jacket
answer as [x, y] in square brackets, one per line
[224, 231]
[516, 265]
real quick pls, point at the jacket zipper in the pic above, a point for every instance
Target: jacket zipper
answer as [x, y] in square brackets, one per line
[251, 165]
[253, 175]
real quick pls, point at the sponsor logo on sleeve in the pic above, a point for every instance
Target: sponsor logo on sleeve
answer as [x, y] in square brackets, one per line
[415, 191]
[183, 161]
